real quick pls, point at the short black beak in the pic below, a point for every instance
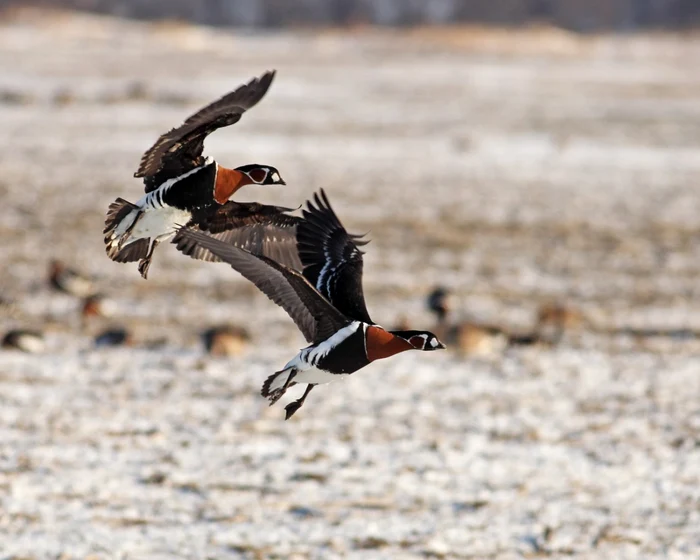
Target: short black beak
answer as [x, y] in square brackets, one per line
[282, 182]
[440, 346]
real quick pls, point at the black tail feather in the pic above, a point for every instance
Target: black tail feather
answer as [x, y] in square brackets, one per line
[134, 251]
[273, 395]
[265, 391]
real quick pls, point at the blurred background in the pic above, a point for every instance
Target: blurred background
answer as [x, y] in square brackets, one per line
[526, 171]
[581, 15]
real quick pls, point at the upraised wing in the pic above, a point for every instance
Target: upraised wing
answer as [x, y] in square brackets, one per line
[316, 318]
[180, 149]
[331, 258]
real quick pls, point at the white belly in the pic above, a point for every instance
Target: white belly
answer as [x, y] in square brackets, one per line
[124, 225]
[301, 363]
[160, 222]
[311, 375]
[318, 377]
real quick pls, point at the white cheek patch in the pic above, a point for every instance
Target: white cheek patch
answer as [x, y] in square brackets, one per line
[433, 343]
[276, 177]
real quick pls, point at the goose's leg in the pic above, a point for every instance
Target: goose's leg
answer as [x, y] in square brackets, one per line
[291, 408]
[145, 263]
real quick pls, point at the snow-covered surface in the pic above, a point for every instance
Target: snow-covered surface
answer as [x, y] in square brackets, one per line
[516, 169]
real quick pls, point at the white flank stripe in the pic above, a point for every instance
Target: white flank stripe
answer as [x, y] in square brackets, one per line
[155, 218]
[165, 186]
[302, 362]
[314, 354]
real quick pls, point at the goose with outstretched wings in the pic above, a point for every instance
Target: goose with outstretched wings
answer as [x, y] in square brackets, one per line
[334, 318]
[185, 187]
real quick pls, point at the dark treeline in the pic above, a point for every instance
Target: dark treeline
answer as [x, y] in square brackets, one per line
[580, 15]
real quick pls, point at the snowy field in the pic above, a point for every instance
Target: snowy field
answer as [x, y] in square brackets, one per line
[517, 169]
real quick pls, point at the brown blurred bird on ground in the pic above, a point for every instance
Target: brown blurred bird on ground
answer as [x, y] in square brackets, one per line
[553, 322]
[29, 341]
[466, 337]
[69, 281]
[226, 340]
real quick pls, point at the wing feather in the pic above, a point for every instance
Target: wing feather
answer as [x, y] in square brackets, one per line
[315, 317]
[258, 228]
[180, 149]
[331, 258]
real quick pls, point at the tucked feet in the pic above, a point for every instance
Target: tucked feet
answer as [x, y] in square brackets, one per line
[292, 407]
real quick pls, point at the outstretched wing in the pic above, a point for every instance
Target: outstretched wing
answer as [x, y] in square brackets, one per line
[258, 228]
[331, 259]
[180, 150]
[316, 318]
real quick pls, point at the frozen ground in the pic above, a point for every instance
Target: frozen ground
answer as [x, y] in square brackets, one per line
[515, 168]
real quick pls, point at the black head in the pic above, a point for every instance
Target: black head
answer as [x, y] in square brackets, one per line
[262, 174]
[438, 302]
[420, 340]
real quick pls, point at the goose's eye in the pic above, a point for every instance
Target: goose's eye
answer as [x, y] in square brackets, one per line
[417, 341]
[258, 175]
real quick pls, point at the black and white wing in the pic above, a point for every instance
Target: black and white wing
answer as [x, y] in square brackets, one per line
[316, 318]
[180, 149]
[258, 228]
[331, 258]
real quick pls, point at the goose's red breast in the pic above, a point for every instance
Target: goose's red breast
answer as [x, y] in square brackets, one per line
[382, 344]
[228, 181]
